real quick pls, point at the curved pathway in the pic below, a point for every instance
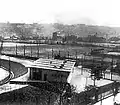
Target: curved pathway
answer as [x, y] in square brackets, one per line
[18, 73]
[17, 66]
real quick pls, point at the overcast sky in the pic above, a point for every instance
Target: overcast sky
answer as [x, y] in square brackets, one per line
[96, 12]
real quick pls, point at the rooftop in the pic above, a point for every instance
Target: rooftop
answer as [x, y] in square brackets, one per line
[54, 64]
[113, 53]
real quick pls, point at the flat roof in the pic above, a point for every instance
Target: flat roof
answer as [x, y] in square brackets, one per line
[99, 83]
[113, 53]
[53, 64]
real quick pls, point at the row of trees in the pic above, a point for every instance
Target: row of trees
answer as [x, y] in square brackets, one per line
[73, 38]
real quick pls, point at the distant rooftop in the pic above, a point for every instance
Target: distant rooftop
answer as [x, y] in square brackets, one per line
[113, 53]
[54, 64]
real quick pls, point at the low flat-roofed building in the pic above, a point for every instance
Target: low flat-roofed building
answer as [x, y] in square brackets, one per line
[51, 70]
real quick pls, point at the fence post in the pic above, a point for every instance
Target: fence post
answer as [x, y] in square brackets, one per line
[52, 52]
[111, 67]
[60, 102]
[68, 54]
[9, 65]
[38, 50]
[24, 50]
[16, 49]
[48, 55]
[31, 50]
[59, 52]
[76, 55]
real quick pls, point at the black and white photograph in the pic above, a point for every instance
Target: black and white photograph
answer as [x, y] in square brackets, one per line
[59, 52]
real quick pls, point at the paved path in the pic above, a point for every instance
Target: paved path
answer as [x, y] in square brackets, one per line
[24, 62]
[16, 65]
